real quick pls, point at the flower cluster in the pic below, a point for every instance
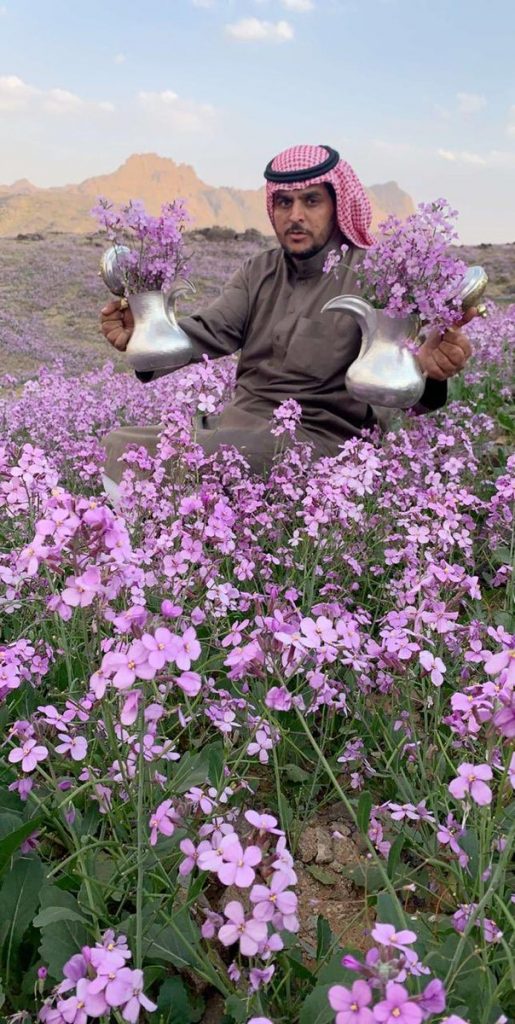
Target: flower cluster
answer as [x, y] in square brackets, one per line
[156, 257]
[408, 269]
[96, 981]
[272, 905]
[382, 995]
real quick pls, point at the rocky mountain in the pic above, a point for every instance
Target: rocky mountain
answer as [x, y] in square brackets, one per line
[154, 179]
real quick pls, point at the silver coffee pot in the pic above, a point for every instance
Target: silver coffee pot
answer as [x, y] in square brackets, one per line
[386, 372]
[157, 341]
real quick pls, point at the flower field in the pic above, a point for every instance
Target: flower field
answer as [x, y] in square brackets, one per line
[258, 758]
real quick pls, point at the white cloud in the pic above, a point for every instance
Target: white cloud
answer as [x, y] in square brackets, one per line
[203, 3]
[470, 103]
[298, 5]
[251, 29]
[495, 158]
[120, 58]
[3, 10]
[168, 108]
[511, 126]
[17, 95]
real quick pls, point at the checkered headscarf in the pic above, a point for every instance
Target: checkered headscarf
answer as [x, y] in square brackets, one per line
[353, 210]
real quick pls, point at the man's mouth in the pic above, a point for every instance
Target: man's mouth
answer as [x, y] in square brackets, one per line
[297, 234]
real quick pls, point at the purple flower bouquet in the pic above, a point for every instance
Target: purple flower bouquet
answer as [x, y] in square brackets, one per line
[151, 248]
[409, 270]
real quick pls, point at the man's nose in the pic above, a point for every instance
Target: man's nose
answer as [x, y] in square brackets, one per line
[296, 211]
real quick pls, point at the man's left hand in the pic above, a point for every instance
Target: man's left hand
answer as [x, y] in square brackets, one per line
[443, 355]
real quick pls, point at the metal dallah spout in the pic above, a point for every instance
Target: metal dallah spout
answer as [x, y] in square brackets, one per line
[364, 313]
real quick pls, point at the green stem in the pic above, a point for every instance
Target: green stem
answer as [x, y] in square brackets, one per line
[141, 843]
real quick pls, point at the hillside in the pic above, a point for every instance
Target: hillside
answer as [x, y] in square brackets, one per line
[155, 179]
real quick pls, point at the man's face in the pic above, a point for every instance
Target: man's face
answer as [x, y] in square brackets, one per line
[304, 219]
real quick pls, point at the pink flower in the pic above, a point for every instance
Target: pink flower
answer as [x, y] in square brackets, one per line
[275, 898]
[511, 771]
[189, 682]
[503, 660]
[162, 821]
[114, 983]
[265, 823]
[75, 1009]
[386, 935]
[162, 647]
[472, 779]
[29, 755]
[82, 590]
[126, 667]
[188, 650]
[249, 933]
[261, 744]
[137, 1000]
[278, 698]
[398, 1007]
[433, 665]
[317, 632]
[237, 866]
[432, 999]
[351, 1004]
[191, 855]
[75, 746]
[129, 712]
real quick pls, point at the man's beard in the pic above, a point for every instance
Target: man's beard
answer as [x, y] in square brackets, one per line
[306, 255]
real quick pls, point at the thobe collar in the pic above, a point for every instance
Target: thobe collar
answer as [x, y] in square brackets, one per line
[314, 265]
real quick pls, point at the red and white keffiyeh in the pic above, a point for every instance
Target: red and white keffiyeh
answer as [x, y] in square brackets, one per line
[353, 210]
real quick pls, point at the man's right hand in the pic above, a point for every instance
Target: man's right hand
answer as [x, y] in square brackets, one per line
[116, 324]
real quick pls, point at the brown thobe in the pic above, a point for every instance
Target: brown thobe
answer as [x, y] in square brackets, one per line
[270, 311]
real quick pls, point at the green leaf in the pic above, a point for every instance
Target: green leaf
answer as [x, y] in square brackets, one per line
[506, 421]
[364, 874]
[324, 937]
[286, 815]
[363, 812]
[53, 914]
[61, 939]
[389, 911]
[216, 764]
[299, 970]
[175, 943]
[19, 898]
[191, 770]
[237, 1008]
[296, 773]
[316, 1008]
[173, 1005]
[13, 835]
[395, 855]
[321, 875]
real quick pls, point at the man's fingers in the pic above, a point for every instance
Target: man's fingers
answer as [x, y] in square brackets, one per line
[456, 351]
[111, 307]
[444, 364]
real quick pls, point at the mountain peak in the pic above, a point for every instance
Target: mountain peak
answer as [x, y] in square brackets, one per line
[154, 180]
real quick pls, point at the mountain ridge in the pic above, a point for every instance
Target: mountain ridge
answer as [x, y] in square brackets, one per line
[154, 179]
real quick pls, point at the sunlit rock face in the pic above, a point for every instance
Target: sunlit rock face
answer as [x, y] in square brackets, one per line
[155, 179]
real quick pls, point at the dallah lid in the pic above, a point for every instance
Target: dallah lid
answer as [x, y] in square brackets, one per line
[301, 166]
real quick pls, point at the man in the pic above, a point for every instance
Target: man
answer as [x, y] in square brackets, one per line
[270, 310]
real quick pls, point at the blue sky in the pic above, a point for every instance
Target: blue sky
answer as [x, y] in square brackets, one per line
[419, 91]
